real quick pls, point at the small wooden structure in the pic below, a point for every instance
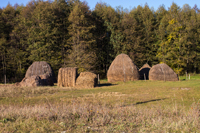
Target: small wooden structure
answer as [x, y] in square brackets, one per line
[144, 72]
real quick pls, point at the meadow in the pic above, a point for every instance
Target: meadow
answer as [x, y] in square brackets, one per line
[134, 106]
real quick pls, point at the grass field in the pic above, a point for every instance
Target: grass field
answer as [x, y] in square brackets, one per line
[138, 106]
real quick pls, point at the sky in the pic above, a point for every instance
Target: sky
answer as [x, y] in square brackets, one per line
[129, 4]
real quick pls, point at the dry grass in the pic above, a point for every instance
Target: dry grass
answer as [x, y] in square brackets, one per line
[137, 106]
[82, 117]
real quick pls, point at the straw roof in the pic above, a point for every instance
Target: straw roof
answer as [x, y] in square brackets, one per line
[122, 69]
[162, 72]
[144, 70]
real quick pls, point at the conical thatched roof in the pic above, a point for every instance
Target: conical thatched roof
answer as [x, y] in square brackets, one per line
[40, 68]
[162, 72]
[144, 70]
[122, 69]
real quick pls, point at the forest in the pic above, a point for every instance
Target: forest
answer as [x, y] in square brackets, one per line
[66, 33]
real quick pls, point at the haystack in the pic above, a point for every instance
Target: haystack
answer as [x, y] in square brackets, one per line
[144, 71]
[67, 77]
[122, 69]
[32, 81]
[162, 72]
[35, 80]
[40, 68]
[86, 80]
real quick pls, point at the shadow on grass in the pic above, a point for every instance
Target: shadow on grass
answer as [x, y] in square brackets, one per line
[138, 103]
[105, 84]
[154, 100]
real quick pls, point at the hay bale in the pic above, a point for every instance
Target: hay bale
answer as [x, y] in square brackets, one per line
[86, 80]
[67, 77]
[40, 68]
[162, 72]
[144, 70]
[32, 81]
[122, 69]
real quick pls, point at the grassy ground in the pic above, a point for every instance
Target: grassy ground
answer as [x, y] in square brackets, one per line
[138, 106]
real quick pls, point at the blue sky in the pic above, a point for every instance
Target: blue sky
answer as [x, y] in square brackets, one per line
[129, 4]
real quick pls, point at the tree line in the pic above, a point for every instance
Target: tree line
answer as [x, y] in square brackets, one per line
[66, 33]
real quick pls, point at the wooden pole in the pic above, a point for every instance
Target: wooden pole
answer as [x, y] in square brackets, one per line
[5, 79]
[144, 77]
[98, 80]
[186, 75]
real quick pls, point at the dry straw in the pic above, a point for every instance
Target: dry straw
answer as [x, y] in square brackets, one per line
[39, 73]
[122, 69]
[32, 81]
[40, 68]
[67, 77]
[162, 72]
[86, 80]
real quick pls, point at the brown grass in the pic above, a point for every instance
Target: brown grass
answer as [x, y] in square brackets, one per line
[98, 117]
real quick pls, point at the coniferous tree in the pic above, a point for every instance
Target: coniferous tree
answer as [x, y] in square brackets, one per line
[161, 33]
[44, 34]
[7, 24]
[62, 10]
[82, 52]
[102, 36]
[149, 26]
[132, 32]
[174, 43]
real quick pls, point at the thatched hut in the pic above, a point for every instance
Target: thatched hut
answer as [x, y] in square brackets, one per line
[122, 69]
[67, 77]
[86, 80]
[162, 72]
[144, 71]
[40, 68]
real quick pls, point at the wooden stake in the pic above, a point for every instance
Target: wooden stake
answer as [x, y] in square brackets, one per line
[5, 79]
[186, 75]
[98, 80]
